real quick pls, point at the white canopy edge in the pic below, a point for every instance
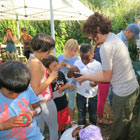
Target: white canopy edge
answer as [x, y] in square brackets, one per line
[40, 10]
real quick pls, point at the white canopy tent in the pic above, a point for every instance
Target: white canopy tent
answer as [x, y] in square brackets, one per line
[43, 10]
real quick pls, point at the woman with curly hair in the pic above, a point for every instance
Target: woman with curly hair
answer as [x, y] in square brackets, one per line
[117, 68]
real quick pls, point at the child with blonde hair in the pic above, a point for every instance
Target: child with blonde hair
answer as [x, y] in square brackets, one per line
[67, 60]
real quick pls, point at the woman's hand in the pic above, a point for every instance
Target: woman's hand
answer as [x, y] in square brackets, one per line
[81, 78]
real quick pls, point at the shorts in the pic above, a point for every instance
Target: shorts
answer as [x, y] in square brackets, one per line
[63, 117]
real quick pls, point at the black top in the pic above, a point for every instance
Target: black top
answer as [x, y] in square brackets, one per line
[61, 101]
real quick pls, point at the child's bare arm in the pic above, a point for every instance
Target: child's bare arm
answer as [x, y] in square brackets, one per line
[36, 109]
[61, 89]
[11, 123]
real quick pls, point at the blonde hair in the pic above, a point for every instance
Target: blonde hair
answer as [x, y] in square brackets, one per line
[71, 44]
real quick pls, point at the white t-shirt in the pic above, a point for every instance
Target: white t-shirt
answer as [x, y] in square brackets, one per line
[84, 88]
[115, 56]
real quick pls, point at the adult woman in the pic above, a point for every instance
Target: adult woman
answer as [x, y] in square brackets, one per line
[117, 68]
[25, 39]
[42, 45]
[10, 41]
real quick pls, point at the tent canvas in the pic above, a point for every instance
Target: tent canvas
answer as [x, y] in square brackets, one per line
[43, 10]
[40, 9]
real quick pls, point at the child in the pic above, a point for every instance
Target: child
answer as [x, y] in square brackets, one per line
[15, 99]
[59, 87]
[86, 132]
[42, 46]
[67, 60]
[86, 94]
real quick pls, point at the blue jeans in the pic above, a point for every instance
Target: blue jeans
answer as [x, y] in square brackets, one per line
[81, 106]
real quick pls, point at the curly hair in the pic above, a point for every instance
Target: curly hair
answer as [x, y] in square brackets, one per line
[96, 23]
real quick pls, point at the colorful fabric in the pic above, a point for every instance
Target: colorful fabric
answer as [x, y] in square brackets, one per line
[63, 117]
[48, 90]
[103, 89]
[90, 132]
[47, 93]
[13, 107]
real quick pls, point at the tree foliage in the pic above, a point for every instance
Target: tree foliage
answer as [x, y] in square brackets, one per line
[121, 13]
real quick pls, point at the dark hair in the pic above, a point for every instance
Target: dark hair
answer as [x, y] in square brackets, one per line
[85, 48]
[75, 132]
[96, 23]
[8, 29]
[23, 29]
[42, 43]
[47, 61]
[14, 76]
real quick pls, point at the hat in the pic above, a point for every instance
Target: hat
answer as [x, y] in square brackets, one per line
[90, 132]
[134, 28]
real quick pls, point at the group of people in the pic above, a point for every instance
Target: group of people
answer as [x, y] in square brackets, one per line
[36, 93]
[10, 40]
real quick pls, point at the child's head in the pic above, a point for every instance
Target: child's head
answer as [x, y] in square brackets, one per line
[14, 76]
[71, 47]
[86, 53]
[43, 43]
[90, 132]
[50, 63]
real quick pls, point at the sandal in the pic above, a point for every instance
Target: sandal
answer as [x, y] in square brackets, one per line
[105, 121]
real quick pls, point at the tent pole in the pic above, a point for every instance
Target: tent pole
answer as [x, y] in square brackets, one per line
[19, 36]
[52, 24]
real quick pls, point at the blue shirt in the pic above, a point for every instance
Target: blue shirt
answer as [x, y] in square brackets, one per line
[123, 38]
[69, 61]
[97, 55]
[13, 107]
